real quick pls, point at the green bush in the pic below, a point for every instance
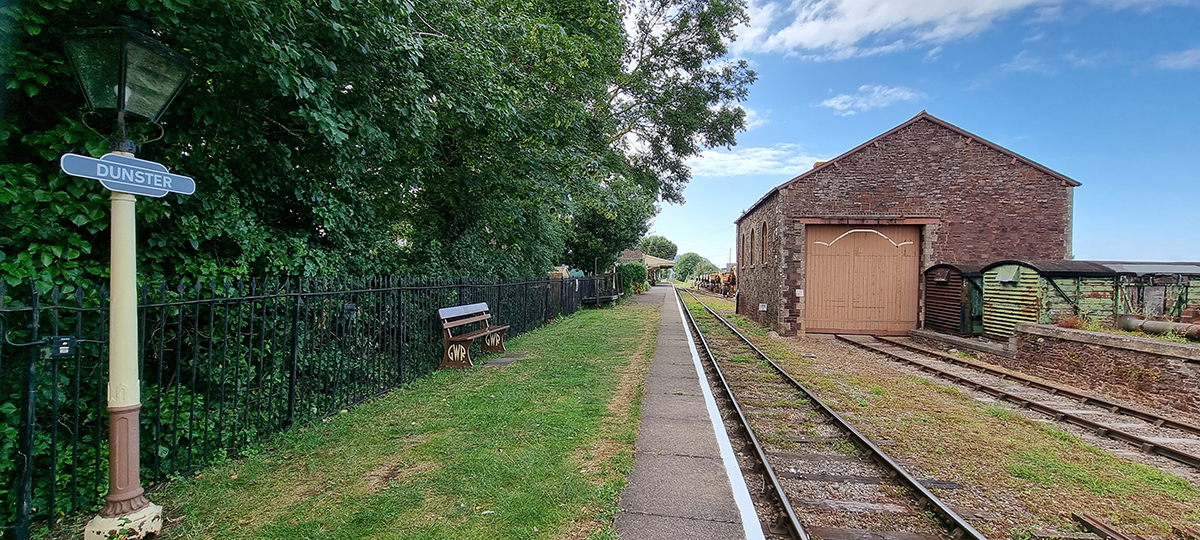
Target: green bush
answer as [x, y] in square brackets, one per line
[630, 275]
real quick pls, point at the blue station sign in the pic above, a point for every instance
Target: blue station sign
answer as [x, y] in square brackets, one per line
[126, 174]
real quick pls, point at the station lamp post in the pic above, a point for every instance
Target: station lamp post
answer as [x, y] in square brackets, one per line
[124, 70]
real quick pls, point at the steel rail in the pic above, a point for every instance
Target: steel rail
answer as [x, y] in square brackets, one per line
[1083, 399]
[1145, 445]
[793, 521]
[962, 529]
[1100, 528]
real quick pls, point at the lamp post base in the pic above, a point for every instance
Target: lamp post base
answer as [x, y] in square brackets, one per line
[138, 524]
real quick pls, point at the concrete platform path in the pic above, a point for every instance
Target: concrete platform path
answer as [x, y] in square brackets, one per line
[685, 481]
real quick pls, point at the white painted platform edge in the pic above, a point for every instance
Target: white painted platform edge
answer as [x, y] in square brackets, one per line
[741, 495]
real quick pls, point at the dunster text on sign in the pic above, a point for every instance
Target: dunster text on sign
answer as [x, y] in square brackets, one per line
[127, 174]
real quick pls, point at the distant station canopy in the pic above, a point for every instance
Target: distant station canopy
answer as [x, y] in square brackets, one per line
[652, 263]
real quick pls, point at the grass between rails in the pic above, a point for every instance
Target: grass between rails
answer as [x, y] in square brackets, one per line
[537, 449]
[1031, 474]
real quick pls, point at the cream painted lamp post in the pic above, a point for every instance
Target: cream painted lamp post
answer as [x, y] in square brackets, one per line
[125, 70]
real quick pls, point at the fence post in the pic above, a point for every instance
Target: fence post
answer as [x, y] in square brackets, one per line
[29, 417]
[292, 369]
[403, 334]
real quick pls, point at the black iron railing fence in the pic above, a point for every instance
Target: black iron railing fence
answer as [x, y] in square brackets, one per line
[223, 366]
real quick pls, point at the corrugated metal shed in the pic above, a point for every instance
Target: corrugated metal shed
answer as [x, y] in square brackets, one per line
[1159, 289]
[954, 298]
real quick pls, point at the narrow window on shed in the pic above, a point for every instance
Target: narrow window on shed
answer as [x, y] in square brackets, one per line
[764, 243]
[751, 246]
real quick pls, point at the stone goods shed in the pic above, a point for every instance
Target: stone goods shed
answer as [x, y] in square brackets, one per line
[841, 247]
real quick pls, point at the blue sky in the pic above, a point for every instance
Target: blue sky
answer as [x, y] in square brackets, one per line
[1106, 92]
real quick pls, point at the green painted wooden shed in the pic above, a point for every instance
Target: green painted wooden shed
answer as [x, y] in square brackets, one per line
[1043, 292]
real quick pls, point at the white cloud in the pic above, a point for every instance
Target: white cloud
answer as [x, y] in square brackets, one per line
[1047, 14]
[869, 97]
[848, 28]
[782, 159]
[839, 29]
[1085, 61]
[1024, 62]
[753, 119]
[1144, 5]
[1181, 60]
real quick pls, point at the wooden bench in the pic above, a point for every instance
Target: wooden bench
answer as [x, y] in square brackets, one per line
[457, 352]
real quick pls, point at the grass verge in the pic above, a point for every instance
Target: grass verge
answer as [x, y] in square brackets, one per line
[536, 449]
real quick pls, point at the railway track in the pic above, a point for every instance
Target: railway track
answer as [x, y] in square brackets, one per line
[820, 476]
[1147, 431]
[706, 292]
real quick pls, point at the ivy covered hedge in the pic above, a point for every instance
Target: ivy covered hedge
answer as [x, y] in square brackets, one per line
[631, 277]
[427, 137]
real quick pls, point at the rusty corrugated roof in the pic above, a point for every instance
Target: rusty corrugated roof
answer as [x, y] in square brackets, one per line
[1141, 268]
[1103, 268]
[966, 269]
[1060, 267]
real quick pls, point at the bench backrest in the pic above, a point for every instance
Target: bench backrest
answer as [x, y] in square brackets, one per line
[462, 311]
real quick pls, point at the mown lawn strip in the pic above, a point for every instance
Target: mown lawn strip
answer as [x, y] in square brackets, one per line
[536, 449]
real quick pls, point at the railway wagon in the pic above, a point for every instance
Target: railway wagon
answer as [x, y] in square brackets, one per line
[1159, 290]
[719, 283]
[954, 299]
[1043, 292]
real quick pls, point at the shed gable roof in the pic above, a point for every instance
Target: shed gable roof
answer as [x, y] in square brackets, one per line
[923, 115]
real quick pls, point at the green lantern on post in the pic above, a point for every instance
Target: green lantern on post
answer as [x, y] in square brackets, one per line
[125, 70]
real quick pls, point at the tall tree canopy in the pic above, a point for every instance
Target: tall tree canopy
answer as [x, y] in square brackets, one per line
[600, 228]
[658, 246]
[705, 267]
[686, 264]
[677, 93]
[440, 137]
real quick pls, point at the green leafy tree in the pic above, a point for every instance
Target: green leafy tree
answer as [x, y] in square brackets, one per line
[705, 267]
[686, 265]
[435, 137]
[601, 227]
[431, 137]
[677, 94]
[658, 246]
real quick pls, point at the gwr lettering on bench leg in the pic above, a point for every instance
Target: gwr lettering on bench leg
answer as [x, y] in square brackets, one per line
[456, 353]
[494, 343]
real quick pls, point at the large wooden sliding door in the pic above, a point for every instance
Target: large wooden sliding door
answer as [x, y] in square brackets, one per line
[862, 279]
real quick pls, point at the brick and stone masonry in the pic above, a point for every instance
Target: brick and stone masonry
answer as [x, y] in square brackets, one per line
[974, 200]
[1139, 370]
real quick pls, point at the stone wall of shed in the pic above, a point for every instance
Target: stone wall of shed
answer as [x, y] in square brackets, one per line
[761, 281]
[991, 206]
